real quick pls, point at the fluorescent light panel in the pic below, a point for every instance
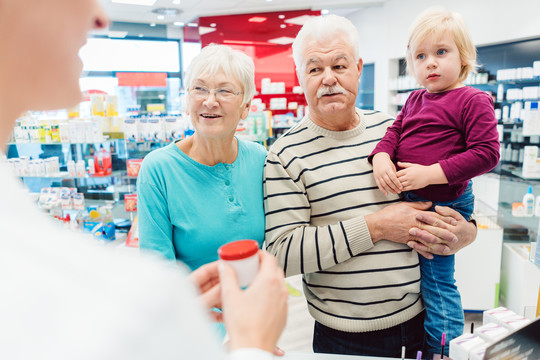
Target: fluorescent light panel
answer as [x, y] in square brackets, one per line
[117, 34]
[242, 42]
[284, 40]
[299, 20]
[257, 19]
[206, 30]
[135, 2]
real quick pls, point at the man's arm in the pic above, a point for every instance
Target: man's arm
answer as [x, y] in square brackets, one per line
[300, 247]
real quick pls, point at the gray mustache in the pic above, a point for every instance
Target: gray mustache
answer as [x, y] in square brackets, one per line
[330, 90]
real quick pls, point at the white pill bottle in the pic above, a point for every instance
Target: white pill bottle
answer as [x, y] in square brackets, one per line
[243, 256]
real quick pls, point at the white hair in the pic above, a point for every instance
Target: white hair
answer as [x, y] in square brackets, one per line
[321, 28]
[215, 58]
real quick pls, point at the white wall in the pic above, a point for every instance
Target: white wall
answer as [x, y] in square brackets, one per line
[384, 30]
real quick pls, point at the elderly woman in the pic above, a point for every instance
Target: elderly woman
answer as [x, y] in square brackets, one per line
[206, 190]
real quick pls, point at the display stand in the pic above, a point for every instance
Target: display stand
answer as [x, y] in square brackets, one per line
[478, 267]
[520, 279]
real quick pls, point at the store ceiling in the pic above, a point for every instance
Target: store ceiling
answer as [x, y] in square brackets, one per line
[185, 11]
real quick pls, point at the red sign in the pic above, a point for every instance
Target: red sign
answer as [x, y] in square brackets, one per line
[142, 79]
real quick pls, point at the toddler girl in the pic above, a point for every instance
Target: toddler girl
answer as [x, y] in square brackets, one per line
[444, 136]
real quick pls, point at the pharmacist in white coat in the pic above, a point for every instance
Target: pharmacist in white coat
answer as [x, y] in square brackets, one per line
[64, 297]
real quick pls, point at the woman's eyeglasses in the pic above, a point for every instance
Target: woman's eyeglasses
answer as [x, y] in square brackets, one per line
[202, 93]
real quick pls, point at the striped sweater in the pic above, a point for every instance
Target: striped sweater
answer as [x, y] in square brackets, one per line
[318, 188]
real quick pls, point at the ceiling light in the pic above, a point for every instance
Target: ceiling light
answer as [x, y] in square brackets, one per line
[281, 16]
[284, 40]
[161, 17]
[153, 24]
[135, 2]
[242, 42]
[166, 11]
[203, 30]
[324, 11]
[213, 25]
[299, 20]
[268, 0]
[117, 34]
[178, 23]
[192, 24]
[257, 19]
[176, 2]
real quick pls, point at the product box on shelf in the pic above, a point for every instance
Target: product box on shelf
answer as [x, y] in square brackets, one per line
[133, 235]
[531, 163]
[494, 315]
[100, 230]
[461, 346]
[130, 202]
[133, 167]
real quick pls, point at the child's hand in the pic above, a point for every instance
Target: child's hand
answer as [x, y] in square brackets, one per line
[384, 172]
[415, 176]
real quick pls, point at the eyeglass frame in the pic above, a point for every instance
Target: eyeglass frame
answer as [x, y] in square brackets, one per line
[214, 91]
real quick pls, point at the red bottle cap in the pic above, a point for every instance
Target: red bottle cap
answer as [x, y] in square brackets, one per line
[238, 250]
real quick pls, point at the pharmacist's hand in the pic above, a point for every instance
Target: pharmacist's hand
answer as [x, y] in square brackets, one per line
[206, 278]
[384, 172]
[256, 316]
[444, 232]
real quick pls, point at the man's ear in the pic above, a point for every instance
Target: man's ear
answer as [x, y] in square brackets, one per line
[360, 66]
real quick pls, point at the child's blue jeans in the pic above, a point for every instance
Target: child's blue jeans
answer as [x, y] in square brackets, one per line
[442, 300]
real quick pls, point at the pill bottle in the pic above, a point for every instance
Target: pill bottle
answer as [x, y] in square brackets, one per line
[242, 256]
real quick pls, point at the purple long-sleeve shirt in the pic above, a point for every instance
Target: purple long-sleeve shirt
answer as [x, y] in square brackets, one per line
[456, 128]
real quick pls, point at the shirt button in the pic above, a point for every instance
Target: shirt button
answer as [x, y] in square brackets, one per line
[227, 182]
[231, 198]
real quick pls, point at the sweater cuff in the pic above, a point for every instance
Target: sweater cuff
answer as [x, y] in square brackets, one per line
[358, 235]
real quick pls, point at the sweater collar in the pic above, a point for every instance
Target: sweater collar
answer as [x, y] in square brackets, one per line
[338, 135]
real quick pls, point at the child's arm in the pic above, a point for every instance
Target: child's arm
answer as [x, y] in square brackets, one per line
[384, 172]
[415, 176]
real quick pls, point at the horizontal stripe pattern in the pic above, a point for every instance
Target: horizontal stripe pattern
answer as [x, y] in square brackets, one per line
[318, 188]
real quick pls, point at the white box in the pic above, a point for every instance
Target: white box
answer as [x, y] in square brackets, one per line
[530, 92]
[491, 332]
[531, 119]
[494, 315]
[478, 353]
[536, 68]
[527, 73]
[531, 164]
[514, 322]
[461, 346]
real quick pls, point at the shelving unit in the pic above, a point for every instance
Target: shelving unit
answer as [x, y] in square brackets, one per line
[282, 119]
[97, 189]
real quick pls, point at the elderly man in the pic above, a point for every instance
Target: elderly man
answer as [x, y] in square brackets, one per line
[326, 219]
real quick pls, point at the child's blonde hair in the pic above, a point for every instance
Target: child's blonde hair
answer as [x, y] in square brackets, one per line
[436, 22]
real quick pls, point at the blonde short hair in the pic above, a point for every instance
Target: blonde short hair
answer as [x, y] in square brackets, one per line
[214, 58]
[436, 22]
